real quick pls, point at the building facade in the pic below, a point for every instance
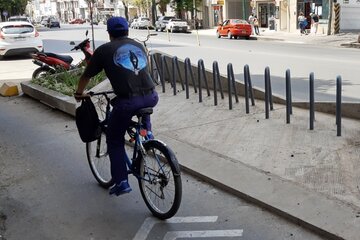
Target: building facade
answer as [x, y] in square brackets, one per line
[282, 15]
[277, 15]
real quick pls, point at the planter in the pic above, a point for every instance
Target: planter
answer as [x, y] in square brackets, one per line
[55, 99]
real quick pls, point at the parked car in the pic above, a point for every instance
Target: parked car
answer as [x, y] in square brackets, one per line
[17, 38]
[234, 28]
[53, 22]
[160, 24]
[44, 21]
[94, 22]
[19, 18]
[177, 25]
[77, 21]
[143, 22]
[133, 23]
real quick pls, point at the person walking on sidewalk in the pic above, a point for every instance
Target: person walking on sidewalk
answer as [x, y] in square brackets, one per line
[251, 21]
[125, 63]
[302, 23]
[315, 22]
[256, 25]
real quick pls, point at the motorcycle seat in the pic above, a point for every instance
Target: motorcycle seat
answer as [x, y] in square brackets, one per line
[65, 58]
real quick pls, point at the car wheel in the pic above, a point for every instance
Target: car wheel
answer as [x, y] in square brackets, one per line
[247, 37]
[218, 34]
[1, 57]
[230, 35]
[156, 29]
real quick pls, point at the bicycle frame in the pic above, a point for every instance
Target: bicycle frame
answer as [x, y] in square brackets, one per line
[138, 146]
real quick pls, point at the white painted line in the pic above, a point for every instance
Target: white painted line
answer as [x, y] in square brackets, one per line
[150, 222]
[203, 234]
[192, 219]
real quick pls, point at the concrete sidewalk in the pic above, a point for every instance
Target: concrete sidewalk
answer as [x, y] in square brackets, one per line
[342, 39]
[310, 177]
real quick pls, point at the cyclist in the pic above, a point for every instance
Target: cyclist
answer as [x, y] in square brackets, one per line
[125, 63]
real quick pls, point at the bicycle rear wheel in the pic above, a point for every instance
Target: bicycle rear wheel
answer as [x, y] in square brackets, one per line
[160, 180]
[99, 161]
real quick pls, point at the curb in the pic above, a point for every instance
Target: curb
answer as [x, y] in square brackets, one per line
[328, 217]
[351, 45]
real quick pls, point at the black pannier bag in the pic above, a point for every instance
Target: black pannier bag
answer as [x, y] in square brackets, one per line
[87, 121]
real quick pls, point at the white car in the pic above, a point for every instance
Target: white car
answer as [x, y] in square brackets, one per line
[177, 25]
[134, 23]
[17, 38]
[142, 22]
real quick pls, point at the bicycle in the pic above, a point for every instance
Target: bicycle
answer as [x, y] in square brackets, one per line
[153, 163]
[153, 66]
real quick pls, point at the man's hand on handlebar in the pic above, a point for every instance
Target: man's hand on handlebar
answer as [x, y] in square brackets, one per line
[80, 96]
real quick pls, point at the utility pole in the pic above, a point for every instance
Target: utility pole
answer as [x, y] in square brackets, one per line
[194, 16]
[330, 16]
[91, 5]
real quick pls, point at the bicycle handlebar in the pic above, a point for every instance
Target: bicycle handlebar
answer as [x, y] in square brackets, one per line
[147, 37]
[105, 93]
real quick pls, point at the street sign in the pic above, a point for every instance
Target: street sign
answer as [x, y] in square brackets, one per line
[149, 223]
[5, 13]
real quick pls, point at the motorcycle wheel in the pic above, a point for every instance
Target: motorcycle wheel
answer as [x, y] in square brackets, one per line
[41, 71]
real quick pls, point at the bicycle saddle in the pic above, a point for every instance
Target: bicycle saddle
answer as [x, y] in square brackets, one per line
[144, 111]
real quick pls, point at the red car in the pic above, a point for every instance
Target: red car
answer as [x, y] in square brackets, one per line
[77, 21]
[234, 28]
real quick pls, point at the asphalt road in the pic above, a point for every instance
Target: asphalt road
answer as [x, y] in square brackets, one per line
[47, 191]
[326, 62]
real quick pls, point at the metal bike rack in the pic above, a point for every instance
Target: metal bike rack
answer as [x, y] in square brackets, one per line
[176, 68]
[250, 88]
[231, 84]
[188, 70]
[155, 70]
[311, 100]
[288, 96]
[338, 105]
[164, 68]
[216, 80]
[267, 92]
[201, 71]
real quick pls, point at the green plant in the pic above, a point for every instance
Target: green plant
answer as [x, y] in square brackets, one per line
[66, 82]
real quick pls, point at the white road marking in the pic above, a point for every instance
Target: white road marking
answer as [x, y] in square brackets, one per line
[150, 222]
[203, 234]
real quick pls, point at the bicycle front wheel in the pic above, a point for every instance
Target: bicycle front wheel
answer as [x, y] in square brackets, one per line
[160, 180]
[99, 161]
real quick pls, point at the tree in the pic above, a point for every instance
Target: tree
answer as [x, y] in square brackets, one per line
[181, 7]
[162, 6]
[13, 7]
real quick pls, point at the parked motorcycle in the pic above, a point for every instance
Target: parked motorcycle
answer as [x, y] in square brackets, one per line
[51, 63]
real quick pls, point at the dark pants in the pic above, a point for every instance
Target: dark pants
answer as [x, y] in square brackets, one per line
[120, 118]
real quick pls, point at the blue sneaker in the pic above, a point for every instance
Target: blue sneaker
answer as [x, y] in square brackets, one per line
[120, 188]
[150, 135]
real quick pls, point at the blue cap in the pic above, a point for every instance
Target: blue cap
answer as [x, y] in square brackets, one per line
[115, 24]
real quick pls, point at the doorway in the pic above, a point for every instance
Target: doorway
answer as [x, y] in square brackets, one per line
[266, 10]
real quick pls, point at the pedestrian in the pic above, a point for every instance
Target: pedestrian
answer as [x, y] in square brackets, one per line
[126, 65]
[256, 25]
[251, 21]
[315, 22]
[302, 23]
